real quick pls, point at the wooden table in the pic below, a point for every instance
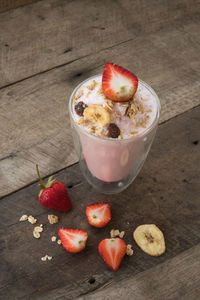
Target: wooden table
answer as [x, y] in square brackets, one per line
[47, 48]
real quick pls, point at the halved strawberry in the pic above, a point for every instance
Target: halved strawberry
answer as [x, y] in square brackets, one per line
[73, 240]
[98, 214]
[118, 84]
[112, 251]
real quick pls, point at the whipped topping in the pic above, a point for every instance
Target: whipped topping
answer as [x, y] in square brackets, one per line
[131, 117]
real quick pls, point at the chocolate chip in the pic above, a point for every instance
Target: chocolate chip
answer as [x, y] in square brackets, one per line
[113, 130]
[80, 107]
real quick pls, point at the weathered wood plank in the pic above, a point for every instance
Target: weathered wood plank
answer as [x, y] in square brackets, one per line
[173, 162]
[33, 113]
[177, 278]
[50, 33]
[10, 4]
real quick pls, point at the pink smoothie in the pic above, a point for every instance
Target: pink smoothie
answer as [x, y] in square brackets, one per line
[111, 159]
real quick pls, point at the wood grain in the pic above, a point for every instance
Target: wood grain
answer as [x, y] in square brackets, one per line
[177, 278]
[51, 33]
[165, 193]
[33, 113]
[10, 4]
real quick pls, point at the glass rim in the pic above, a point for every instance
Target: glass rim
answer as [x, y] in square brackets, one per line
[143, 133]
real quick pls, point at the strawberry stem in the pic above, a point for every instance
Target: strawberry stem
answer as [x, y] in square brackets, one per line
[42, 182]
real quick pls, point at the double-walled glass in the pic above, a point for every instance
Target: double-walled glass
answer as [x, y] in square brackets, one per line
[110, 165]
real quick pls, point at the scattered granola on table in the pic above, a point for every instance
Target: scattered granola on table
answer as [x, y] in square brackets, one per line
[23, 218]
[129, 250]
[52, 219]
[38, 229]
[36, 232]
[122, 233]
[53, 238]
[32, 220]
[44, 258]
[115, 232]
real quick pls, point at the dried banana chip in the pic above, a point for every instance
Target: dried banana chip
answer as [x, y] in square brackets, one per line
[150, 239]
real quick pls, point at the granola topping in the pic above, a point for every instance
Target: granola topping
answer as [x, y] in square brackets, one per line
[108, 105]
[100, 92]
[83, 122]
[133, 133]
[117, 115]
[132, 109]
[79, 95]
[132, 117]
[92, 85]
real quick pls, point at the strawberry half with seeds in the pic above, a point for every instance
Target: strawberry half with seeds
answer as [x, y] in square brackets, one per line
[73, 240]
[118, 84]
[98, 214]
[54, 194]
[112, 251]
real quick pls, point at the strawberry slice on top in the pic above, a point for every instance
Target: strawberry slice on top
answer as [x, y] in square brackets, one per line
[118, 84]
[112, 251]
[73, 240]
[98, 214]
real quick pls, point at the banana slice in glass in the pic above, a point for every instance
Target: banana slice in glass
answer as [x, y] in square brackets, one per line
[97, 114]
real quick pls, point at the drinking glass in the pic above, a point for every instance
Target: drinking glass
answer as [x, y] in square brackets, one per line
[110, 165]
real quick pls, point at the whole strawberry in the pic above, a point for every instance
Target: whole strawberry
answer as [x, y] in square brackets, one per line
[54, 194]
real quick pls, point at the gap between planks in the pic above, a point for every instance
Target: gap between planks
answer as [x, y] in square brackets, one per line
[47, 30]
[147, 199]
[72, 185]
[64, 64]
[139, 287]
